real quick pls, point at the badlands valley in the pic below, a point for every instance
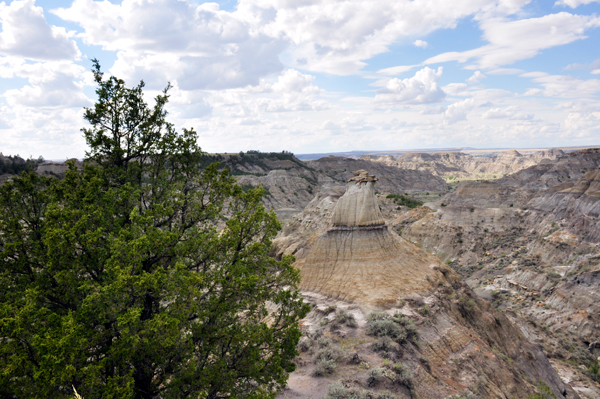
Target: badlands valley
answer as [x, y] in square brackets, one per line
[441, 275]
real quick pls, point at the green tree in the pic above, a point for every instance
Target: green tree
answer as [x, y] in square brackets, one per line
[141, 275]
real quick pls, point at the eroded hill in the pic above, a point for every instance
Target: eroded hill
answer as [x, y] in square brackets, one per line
[454, 166]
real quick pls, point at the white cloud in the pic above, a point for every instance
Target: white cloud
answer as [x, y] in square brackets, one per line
[594, 65]
[476, 77]
[511, 113]
[583, 125]
[26, 33]
[559, 86]
[574, 3]
[511, 41]
[421, 43]
[199, 46]
[458, 111]
[51, 84]
[456, 89]
[396, 70]
[336, 36]
[595, 72]
[420, 89]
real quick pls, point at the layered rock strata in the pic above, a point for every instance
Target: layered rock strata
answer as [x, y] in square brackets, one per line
[359, 259]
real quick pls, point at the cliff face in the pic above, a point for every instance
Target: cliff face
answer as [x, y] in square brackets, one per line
[465, 347]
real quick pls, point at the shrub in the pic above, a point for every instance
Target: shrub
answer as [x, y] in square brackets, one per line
[337, 390]
[399, 328]
[409, 326]
[375, 376]
[403, 375]
[324, 367]
[385, 395]
[544, 392]
[323, 342]
[327, 353]
[304, 344]
[594, 369]
[386, 328]
[343, 317]
[384, 344]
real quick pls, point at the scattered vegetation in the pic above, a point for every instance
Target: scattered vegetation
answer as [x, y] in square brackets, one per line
[544, 392]
[338, 390]
[594, 369]
[343, 317]
[326, 357]
[405, 200]
[398, 328]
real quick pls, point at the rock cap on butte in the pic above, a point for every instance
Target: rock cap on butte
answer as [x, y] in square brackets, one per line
[358, 207]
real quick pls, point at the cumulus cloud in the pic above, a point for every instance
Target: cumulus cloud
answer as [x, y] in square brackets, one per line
[421, 43]
[476, 77]
[200, 46]
[26, 33]
[420, 89]
[511, 41]
[458, 111]
[51, 84]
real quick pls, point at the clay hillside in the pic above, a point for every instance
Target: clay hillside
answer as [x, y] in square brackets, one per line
[391, 320]
[454, 166]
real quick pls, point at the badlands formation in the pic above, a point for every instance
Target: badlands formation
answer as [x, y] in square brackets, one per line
[390, 320]
[458, 165]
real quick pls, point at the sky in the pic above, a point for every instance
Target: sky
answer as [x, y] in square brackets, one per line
[309, 76]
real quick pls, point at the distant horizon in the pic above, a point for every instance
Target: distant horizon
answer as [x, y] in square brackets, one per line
[310, 156]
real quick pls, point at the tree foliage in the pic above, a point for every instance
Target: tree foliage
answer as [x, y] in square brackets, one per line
[141, 275]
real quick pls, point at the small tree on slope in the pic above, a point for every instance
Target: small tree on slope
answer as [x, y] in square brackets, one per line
[141, 276]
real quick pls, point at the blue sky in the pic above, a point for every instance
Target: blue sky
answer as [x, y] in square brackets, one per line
[309, 75]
